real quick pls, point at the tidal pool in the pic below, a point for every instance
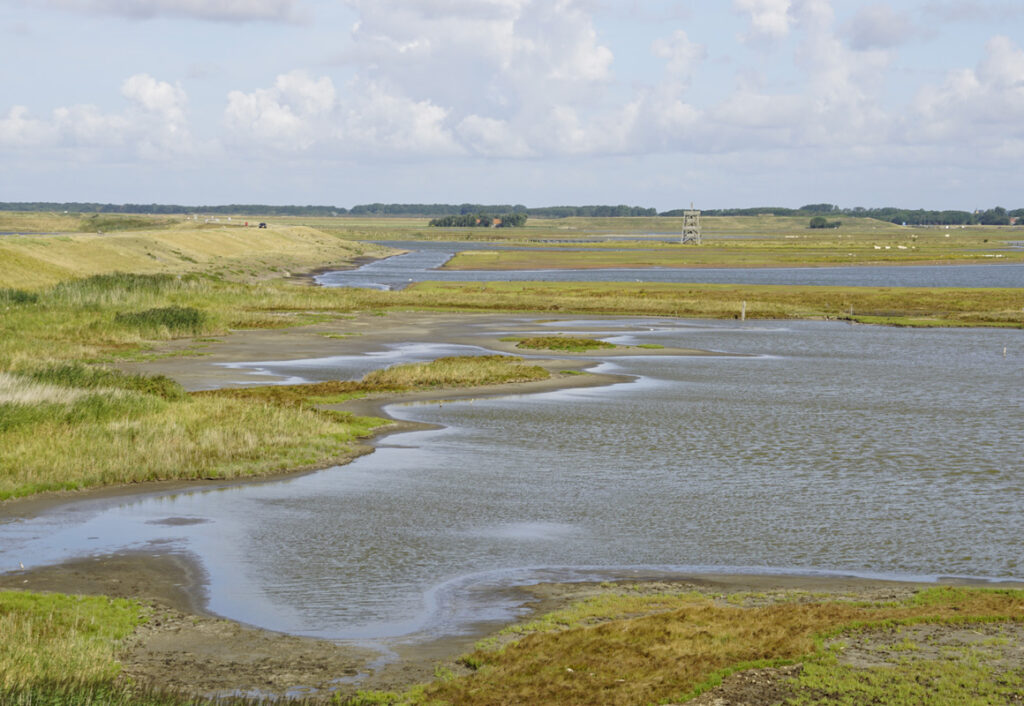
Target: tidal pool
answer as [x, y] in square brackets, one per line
[824, 447]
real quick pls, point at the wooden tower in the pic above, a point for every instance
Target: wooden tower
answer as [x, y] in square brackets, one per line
[691, 226]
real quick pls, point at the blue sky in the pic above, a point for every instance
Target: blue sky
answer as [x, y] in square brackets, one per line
[917, 103]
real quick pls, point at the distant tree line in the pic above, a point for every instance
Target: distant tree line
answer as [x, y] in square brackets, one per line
[480, 220]
[997, 216]
[992, 216]
[465, 209]
[174, 209]
[372, 209]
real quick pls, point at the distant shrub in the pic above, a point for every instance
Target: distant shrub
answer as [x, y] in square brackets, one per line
[177, 319]
[822, 222]
[17, 296]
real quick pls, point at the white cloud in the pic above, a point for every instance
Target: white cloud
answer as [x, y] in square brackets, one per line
[154, 126]
[484, 56]
[300, 112]
[289, 116]
[878, 27]
[769, 19]
[984, 105]
[680, 54]
[20, 130]
[217, 10]
[379, 121]
[492, 137]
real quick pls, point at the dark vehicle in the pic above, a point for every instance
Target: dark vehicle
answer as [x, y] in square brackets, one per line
[263, 225]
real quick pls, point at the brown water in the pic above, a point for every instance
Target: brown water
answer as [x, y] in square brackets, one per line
[832, 448]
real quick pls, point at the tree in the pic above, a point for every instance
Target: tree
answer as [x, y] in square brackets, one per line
[822, 222]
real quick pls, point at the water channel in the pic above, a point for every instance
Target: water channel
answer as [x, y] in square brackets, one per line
[425, 257]
[808, 447]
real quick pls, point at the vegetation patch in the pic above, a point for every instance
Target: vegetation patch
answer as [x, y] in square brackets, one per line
[631, 648]
[9, 296]
[109, 222]
[48, 638]
[454, 371]
[571, 344]
[177, 319]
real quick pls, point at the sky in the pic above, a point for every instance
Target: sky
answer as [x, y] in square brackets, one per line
[657, 103]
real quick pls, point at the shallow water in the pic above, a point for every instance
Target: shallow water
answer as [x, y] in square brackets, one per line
[421, 265]
[827, 448]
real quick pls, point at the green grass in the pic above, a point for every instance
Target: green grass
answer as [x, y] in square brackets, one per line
[904, 305]
[181, 320]
[47, 638]
[572, 344]
[964, 676]
[455, 371]
[107, 222]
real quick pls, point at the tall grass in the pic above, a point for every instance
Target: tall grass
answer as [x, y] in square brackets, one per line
[123, 288]
[51, 637]
[202, 438]
[10, 296]
[175, 319]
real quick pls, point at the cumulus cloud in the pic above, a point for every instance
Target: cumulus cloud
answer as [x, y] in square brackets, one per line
[19, 129]
[486, 55]
[217, 10]
[154, 126]
[290, 115]
[769, 19]
[300, 111]
[680, 54]
[985, 103]
[877, 27]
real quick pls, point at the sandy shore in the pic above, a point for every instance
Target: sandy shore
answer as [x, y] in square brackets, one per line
[183, 647]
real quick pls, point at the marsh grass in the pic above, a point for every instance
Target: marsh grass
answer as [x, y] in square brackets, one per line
[179, 320]
[646, 649]
[453, 371]
[573, 344]
[48, 637]
[15, 297]
[909, 306]
[963, 679]
[201, 438]
[457, 371]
